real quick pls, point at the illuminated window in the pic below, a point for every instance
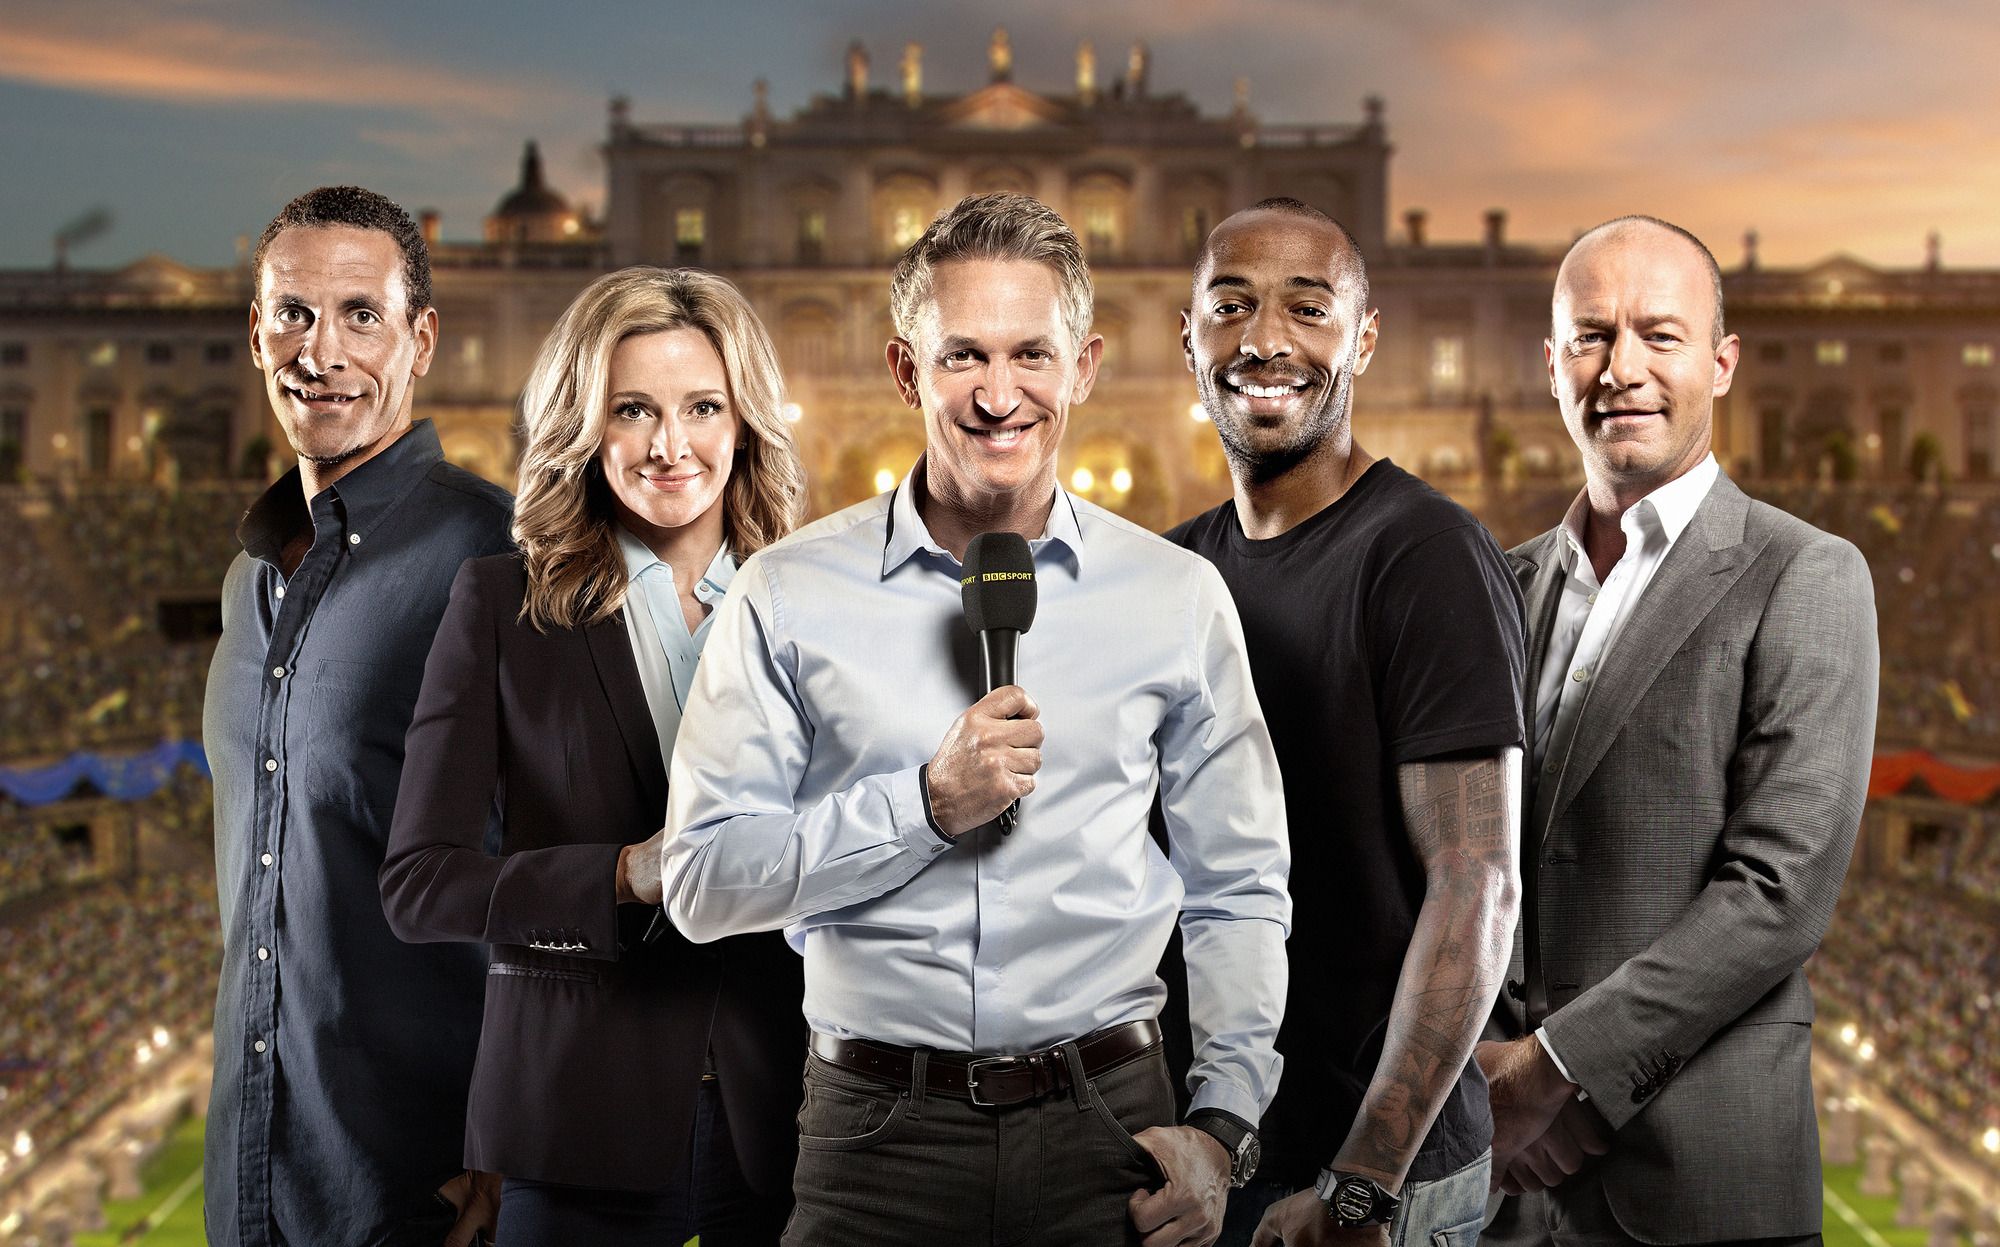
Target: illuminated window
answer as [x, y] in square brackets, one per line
[1100, 229]
[812, 235]
[103, 355]
[1978, 355]
[1831, 352]
[1447, 363]
[906, 225]
[690, 232]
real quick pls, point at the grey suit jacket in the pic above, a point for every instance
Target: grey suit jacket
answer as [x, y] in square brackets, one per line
[1689, 863]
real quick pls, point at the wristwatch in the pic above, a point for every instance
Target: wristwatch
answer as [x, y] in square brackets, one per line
[1353, 1201]
[1238, 1138]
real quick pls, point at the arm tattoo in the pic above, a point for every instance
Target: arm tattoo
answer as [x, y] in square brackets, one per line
[1462, 818]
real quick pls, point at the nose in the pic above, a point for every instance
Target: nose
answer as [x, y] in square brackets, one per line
[1625, 365]
[999, 394]
[1264, 335]
[321, 349]
[670, 440]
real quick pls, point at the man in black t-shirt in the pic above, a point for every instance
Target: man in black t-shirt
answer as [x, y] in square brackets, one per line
[1386, 641]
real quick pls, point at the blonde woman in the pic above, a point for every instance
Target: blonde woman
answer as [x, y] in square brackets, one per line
[631, 1086]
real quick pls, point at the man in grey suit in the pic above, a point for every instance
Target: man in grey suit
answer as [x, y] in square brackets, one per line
[1703, 669]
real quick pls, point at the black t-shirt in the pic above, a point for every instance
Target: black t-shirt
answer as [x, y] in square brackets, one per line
[1385, 629]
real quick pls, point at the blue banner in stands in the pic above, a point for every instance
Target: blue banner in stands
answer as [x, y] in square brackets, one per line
[126, 776]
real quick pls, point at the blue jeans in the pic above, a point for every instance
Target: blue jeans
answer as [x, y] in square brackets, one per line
[1444, 1212]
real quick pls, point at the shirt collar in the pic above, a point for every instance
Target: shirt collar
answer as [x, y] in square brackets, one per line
[365, 494]
[908, 536]
[1670, 508]
[640, 559]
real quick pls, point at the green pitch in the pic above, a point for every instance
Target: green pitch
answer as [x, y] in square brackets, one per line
[168, 1214]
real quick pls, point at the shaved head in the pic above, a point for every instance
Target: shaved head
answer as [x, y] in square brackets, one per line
[1353, 269]
[1622, 227]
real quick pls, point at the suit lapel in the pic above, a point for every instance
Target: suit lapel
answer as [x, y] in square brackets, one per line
[1708, 558]
[618, 673]
[1538, 567]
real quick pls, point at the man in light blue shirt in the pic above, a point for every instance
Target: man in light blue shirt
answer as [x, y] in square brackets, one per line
[985, 1060]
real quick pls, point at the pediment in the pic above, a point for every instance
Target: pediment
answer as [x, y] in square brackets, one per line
[1003, 106]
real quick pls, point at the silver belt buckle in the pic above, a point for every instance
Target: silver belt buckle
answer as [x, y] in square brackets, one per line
[972, 1077]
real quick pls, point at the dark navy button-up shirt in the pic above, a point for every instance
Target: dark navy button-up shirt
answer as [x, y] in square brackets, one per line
[342, 1055]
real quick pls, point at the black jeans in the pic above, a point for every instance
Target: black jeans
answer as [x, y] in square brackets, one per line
[882, 1166]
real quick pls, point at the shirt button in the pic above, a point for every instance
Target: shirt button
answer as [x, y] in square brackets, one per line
[267, 859]
[281, 590]
[354, 539]
[1592, 599]
[1580, 675]
[259, 1046]
[263, 954]
[270, 764]
[277, 673]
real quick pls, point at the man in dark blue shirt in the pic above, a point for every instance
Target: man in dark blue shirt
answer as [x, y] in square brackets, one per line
[342, 1054]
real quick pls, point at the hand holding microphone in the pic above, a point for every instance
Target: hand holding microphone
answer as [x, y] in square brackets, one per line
[989, 758]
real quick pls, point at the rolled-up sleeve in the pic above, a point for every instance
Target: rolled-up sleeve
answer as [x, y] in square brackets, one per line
[1224, 808]
[742, 853]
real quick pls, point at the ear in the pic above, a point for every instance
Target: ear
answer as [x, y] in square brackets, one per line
[1365, 350]
[1087, 361]
[426, 330]
[1549, 358]
[256, 347]
[902, 359]
[1726, 356]
[1187, 337]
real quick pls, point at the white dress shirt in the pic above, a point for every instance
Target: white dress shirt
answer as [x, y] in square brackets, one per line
[1590, 616]
[657, 627]
[833, 674]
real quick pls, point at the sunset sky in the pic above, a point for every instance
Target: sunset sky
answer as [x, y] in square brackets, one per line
[1828, 126]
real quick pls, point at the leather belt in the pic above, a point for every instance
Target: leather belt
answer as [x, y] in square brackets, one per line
[991, 1081]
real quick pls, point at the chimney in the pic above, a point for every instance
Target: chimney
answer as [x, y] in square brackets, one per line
[427, 221]
[857, 71]
[1750, 251]
[1933, 251]
[1413, 222]
[913, 74]
[1242, 98]
[1373, 107]
[1496, 230]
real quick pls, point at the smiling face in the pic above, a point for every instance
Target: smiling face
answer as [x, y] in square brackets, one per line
[670, 436]
[1275, 336]
[1634, 361]
[332, 332]
[994, 371]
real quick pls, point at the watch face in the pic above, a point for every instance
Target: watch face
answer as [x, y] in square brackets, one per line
[1353, 1199]
[1249, 1155]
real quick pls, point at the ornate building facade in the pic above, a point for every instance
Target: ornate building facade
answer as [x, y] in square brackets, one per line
[1848, 369]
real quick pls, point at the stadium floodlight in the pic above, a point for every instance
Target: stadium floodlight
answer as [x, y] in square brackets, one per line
[161, 1039]
[1867, 1050]
[1849, 1034]
[1991, 1140]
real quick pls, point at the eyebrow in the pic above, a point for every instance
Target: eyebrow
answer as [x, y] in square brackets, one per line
[642, 397]
[1300, 282]
[959, 342]
[1588, 320]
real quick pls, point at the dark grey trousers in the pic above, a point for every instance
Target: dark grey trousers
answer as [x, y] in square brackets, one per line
[881, 1166]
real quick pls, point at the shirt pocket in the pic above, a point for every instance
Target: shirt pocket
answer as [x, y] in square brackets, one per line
[355, 721]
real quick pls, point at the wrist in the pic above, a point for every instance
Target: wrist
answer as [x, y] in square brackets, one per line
[1237, 1149]
[621, 884]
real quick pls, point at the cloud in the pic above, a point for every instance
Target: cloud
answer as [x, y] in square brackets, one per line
[189, 58]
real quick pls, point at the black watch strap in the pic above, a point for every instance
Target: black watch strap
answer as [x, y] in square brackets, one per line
[1353, 1200]
[1238, 1138]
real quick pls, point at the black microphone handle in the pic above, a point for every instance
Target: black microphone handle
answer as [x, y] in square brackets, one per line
[996, 651]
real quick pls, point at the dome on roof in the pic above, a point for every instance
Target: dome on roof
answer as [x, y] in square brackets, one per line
[533, 196]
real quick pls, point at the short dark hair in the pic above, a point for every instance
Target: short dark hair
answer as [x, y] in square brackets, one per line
[361, 209]
[1353, 267]
[1707, 256]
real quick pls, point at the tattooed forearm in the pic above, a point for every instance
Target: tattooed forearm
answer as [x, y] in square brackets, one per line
[1462, 819]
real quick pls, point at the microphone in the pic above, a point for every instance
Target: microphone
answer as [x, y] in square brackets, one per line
[997, 591]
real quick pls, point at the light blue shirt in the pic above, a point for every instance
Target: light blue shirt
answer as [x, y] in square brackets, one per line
[833, 674]
[661, 643]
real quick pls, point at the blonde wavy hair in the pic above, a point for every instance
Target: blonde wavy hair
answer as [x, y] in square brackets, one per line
[563, 516]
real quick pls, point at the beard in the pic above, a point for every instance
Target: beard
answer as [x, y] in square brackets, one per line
[1259, 463]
